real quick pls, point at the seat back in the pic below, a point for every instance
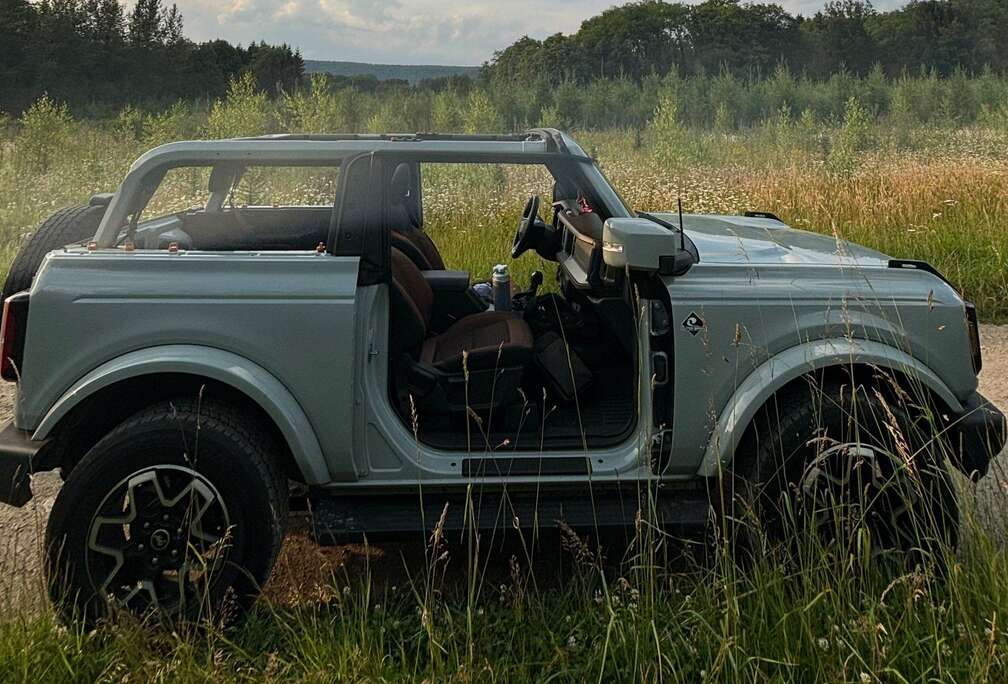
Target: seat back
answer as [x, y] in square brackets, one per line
[421, 250]
[404, 205]
[410, 306]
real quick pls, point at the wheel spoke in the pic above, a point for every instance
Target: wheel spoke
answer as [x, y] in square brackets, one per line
[164, 509]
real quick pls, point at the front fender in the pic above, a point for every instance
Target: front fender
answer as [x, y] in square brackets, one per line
[795, 362]
[243, 375]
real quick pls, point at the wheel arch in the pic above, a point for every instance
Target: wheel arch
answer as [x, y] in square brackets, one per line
[109, 394]
[857, 358]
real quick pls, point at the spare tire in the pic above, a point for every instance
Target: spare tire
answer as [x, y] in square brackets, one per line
[66, 226]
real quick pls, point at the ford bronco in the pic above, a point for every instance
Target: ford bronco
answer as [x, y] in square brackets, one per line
[186, 370]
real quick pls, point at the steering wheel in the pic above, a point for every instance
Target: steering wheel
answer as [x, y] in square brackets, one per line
[522, 238]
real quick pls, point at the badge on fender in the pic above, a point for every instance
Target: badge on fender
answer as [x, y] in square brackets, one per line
[693, 324]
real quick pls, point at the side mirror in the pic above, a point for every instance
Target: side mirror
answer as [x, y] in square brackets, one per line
[642, 245]
[675, 265]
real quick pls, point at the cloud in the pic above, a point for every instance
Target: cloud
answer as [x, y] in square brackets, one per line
[399, 31]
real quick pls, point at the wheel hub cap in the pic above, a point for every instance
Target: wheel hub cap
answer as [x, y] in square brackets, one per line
[157, 538]
[160, 540]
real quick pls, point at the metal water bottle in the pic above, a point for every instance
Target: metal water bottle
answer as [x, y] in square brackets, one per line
[501, 288]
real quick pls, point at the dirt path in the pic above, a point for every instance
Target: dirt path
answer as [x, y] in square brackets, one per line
[303, 565]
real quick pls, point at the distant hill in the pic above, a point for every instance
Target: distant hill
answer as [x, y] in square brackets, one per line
[414, 73]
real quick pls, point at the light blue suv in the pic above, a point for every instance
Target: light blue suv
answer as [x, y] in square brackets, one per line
[183, 367]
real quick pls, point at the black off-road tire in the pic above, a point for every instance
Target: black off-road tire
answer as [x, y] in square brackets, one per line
[177, 446]
[65, 227]
[788, 451]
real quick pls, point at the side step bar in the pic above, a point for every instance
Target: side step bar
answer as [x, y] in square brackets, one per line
[338, 519]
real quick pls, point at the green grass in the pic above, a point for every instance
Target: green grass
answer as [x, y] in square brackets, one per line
[832, 621]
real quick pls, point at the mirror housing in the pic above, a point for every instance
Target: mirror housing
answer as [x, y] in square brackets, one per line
[642, 245]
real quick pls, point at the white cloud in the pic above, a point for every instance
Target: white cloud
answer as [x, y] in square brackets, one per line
[399, 31]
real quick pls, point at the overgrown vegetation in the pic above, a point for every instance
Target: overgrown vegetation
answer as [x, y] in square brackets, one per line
[829, 622]
[643, 606]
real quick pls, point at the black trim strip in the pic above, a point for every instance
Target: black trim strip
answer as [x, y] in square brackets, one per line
[523, 467]
[919, 266]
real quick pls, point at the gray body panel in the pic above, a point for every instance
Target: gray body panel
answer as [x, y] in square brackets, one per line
[754, 240]
[295, 333]
[777, 322]
[289, 314]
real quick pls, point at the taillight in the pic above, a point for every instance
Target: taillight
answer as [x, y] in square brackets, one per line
[12, 335]
[973, 328]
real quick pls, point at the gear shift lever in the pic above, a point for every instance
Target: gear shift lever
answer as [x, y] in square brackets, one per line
[525, 301]
[536, 281]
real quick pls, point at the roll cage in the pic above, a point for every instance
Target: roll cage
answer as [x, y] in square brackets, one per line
[546, 146]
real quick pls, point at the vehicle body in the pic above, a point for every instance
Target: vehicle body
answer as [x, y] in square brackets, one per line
[298, 334]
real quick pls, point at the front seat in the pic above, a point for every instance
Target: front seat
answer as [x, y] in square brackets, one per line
[407, 233]
[477, 363]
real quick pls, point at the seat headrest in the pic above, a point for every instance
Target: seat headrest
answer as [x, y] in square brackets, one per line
[402, 184]
[405, 205]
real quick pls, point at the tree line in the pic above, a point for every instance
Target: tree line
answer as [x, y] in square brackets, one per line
[97, 54]
[731, 64]
[655, 37]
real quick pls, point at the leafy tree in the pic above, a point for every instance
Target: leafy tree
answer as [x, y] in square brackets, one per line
[446, 112]
[242, 113]
[276, 68]
[838, 37]
[480, 116]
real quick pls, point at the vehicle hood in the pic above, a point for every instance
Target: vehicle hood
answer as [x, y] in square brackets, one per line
[754, 240]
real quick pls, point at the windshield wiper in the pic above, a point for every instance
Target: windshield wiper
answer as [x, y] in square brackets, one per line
[669, 226]
[661, 222]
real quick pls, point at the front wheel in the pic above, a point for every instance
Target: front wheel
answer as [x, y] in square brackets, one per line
[179, 511]
[841, 462]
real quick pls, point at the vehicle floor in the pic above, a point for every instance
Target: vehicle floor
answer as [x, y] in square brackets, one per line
[602, 416]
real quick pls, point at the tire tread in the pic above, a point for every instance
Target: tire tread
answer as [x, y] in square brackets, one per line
[64, 227]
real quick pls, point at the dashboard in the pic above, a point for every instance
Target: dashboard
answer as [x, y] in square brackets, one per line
[580, 246]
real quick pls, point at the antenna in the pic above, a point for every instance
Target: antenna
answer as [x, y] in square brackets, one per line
[682, 233]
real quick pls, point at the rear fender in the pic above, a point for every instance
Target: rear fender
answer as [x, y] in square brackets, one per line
[243, 375]
[795, 362]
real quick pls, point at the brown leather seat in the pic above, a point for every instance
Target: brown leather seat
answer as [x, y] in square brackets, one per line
[489, 340]
[420, 249]
[407, 232]
[493, 338]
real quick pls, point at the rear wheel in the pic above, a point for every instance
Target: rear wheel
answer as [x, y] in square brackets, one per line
[852, 467]
[66, 226]
[179, 511]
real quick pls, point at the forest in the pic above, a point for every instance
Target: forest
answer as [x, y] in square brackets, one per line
[655, 37]
[96, 55]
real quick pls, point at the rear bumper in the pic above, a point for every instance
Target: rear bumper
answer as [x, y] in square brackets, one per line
[977, 436]
[17, 451]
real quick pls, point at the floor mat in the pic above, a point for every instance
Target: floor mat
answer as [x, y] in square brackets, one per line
[604, 416]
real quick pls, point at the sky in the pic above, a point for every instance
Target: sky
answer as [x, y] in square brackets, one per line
[401, 31]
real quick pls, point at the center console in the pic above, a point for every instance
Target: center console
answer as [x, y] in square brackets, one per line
[454, 299]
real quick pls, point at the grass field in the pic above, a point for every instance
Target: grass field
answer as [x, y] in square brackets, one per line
[455, 613]
[495, 616]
